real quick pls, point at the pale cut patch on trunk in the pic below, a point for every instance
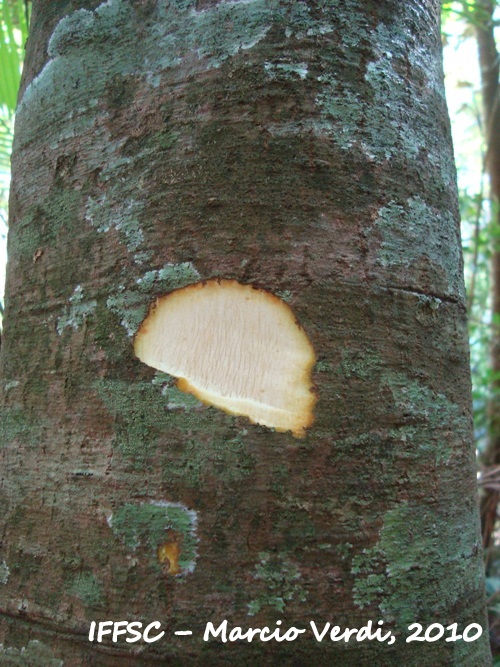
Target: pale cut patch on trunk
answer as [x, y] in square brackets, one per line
[235, 347]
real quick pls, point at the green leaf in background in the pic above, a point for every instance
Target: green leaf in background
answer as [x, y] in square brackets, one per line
[10, 59]
[14, 33]
[468, 10]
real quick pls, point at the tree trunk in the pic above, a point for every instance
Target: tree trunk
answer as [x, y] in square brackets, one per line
[299, 147]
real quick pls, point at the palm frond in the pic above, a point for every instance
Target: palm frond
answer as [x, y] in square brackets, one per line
[12, 23]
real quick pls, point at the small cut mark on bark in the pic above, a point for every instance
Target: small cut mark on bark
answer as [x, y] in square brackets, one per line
[168, 555]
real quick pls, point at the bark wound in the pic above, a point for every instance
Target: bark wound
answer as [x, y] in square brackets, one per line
[235, 347]
[168, 555]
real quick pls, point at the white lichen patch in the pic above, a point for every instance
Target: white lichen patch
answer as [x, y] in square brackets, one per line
[12, 384]
[320, 29]
[398, 119]
[74, 96]
[4, 572]
[413, 232]
[215, 33]
[131, 305]
[286, 70]
[226, 3]
[93, 214]
[389, 87]
[245, 24]
[176, 399]
[128, 223]
[250, 43]
[170, 276]
[78, 311]
[124, 217]
[314, 127]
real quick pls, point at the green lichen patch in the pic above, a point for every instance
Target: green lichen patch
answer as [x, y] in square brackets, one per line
[144, 412]
[279, 476]
[423, 565]
[224, 457]
[433, 412]
[279, 582]
[46, 223]
[60, 208]
[35, 654]
[179, 400]
[343, 550]
[365, 365]
[4, 572]
[424, 428]
[322, 366]
[148, 525]
[131, 305]
[162, 380]
[14, 425]
[140, 413]
[78, 311]
[28, 237]
[426, 548]
[88, 589]
[286, 295]
[369, 580]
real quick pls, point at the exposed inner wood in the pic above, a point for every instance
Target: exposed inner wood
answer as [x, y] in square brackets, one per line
[234, 347]
[168, 554]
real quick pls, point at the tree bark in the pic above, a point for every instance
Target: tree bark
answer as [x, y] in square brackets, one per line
[300, 147]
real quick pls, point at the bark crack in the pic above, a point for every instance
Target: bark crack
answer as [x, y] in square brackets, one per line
[445, 298]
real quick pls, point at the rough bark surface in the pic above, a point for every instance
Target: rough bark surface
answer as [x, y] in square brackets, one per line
[302, 147]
